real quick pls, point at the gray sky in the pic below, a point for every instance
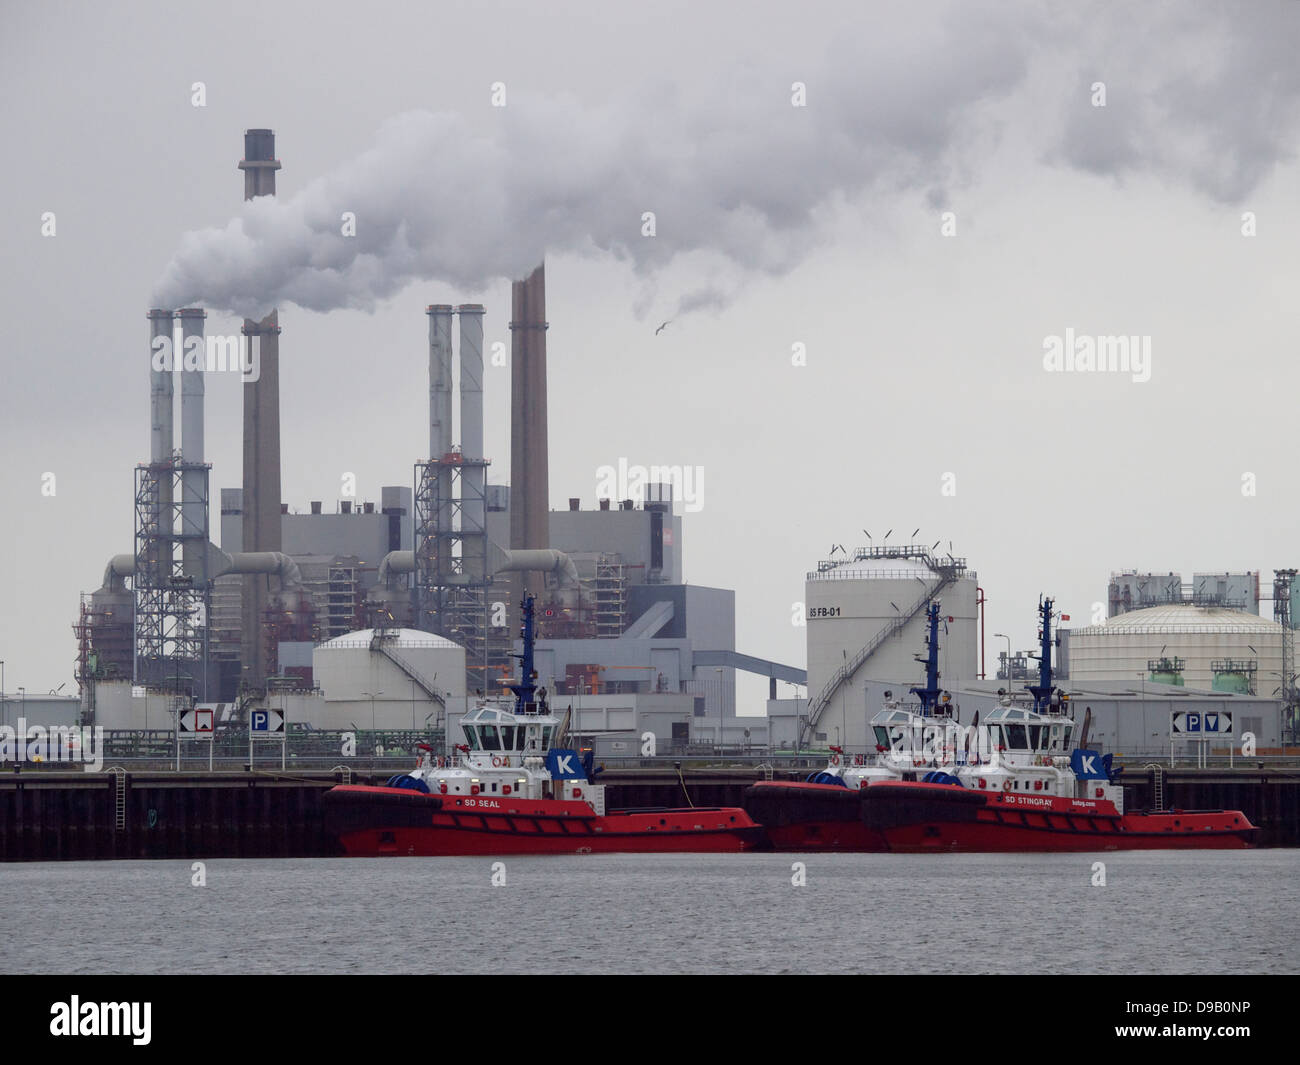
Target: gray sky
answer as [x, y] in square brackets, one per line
[818, 226]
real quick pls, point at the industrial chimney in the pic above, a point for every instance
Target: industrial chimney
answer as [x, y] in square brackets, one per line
[261, 524]
[473, 515]
[529, 480]
[194, 489]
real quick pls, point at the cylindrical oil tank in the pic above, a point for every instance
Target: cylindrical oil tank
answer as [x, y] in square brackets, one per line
[850, 603]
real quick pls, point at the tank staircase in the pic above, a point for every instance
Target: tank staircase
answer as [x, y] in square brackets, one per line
[947, 574]
[380, 643]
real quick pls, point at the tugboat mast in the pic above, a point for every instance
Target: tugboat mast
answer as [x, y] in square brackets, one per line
[929, 695]
[525, 690]
[1042, 691]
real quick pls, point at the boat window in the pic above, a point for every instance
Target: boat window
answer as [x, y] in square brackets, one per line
[1065, 742]
[507, 737]
[1056, 737]
[882, 736]
[520, 733]
[491, 742]
[1016, 738]
[1035, 735]
[471, 737]
[546, 736]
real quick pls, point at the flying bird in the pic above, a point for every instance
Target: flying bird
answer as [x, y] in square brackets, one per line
[663, 327]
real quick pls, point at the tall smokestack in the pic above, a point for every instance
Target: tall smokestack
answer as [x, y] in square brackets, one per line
[161, 389]
[472, 516]
[261, 524]
[440, 315]
[529, 480]
[193, 523]
[161, 413]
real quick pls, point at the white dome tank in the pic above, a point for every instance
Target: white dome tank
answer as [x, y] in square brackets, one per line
[382, 678]
[1120, 647]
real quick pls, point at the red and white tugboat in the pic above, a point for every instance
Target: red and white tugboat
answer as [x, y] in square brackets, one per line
[510, 791]
[1010, 787]
[824, 813]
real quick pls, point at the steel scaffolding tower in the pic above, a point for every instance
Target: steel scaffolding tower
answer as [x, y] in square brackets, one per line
[173, 601]
[451, 578]
[611, 597]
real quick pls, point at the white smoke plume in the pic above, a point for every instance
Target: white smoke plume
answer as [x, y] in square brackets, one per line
[741, 173]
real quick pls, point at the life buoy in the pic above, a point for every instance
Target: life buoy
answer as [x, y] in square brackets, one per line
[500, 761]
[419, 761]
[1006, 785]
[442, 762]
[835, 759]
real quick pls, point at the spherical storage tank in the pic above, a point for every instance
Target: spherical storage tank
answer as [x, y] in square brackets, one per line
[382, 684]
[1121, 647]
[849, 602]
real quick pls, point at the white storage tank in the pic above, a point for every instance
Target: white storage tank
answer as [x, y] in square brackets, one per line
[1121, 647]
[851, 601]
[384, 681]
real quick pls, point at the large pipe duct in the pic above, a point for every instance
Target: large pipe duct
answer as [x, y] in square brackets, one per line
[394, 562]
[530, 485]
[545, 560]
[542, 560]
[261, 520]
[118, 569]
[194, 519]
[268, 563]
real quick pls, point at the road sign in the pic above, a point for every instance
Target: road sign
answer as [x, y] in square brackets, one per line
[1199, 724]
[266, 724]
[196, 724]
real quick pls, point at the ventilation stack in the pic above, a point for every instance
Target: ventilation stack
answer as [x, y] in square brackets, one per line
[261, 519]
[529, 480]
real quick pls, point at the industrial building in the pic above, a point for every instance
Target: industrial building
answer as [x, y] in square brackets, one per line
[398, 612]
[395, 615]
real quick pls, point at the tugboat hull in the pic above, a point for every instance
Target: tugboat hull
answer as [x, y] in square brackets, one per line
[907, 817]
[916, 818]
[812, 817]
[377, 821]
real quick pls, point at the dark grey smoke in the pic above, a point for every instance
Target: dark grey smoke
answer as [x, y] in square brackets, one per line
[1204, 93]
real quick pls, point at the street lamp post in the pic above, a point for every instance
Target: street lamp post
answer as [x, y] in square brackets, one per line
[721, 710]
[373, 726]
[1004, 636]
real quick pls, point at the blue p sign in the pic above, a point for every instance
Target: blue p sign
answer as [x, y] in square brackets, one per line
[260, 721]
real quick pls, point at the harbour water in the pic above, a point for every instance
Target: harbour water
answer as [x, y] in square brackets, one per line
[1191, 912]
